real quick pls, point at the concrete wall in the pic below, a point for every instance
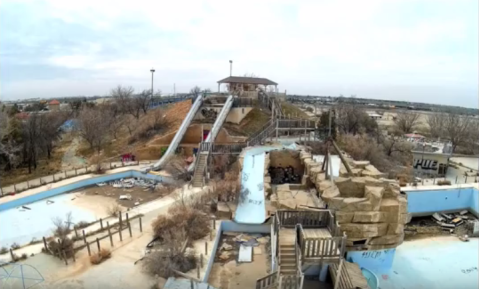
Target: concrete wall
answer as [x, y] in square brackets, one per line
[230, 226]
[377, 260]
[194, 135]
[286, 158]
[81, 184]
[236, 114]
[425, 202]
[429, 163]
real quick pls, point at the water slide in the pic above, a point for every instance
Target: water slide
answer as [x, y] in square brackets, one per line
[215, 129]
[220, 119]
[179, 134]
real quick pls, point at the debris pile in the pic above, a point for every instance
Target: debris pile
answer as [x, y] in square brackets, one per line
[449, 222]
[132, 182]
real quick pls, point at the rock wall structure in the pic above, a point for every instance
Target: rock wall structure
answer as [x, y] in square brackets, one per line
[369, 208]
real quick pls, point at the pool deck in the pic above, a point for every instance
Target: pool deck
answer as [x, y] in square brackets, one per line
[437, 262]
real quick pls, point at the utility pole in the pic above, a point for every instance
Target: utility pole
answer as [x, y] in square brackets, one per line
[174, 89]
[152, 70]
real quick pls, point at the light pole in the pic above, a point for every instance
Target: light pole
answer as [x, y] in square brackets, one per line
[231, 67]
[152, 70]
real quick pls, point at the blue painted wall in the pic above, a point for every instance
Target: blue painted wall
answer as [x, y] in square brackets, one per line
[81, 184]
[423, 203]
[475, 202]
[377, 260]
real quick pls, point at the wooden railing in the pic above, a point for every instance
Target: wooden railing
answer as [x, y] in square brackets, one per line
[308, 219]
[323, 247]
[243, 102]
[266, 281]
[290, 282]
[296, 123]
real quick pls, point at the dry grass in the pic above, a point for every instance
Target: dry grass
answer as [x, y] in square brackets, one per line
[291, 110]
[113, 210]
[444, 183]
[253, 122]
[95, 259]
[172, 258]
[194, 222]
[105, 253]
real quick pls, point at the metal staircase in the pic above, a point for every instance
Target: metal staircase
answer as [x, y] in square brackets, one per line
[200, 168]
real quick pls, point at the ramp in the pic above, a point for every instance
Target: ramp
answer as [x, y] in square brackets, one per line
[179, 134]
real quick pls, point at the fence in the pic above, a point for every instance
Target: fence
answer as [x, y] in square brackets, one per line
[20, 187]
[266, 281]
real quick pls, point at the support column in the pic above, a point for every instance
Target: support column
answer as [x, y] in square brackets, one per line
[323, 273]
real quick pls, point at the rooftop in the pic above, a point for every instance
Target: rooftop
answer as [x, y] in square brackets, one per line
[248, 80]
[54, 102]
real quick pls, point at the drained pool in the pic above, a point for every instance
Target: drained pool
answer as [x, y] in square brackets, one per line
[20, 225]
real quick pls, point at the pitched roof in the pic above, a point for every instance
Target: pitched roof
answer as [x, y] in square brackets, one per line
[53, 102]
[248, 80]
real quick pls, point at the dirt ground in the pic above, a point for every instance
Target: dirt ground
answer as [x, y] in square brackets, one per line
[138, 194]
[227, 273]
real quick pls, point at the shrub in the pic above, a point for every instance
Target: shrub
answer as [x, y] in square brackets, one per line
[15, 246]
[443, 182]
[105, 253]
[172, 258]
[57, 247]
[81, 225]
[194, 222]
[3, 250]
[24, 256]
[113, 210]
[95, 259]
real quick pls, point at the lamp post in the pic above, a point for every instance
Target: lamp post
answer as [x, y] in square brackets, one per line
[231, 67]
[152, 70]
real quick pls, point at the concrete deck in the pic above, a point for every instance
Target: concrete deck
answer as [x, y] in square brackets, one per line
[438, 262]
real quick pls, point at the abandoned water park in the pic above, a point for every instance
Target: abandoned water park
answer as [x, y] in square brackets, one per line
[282, 207]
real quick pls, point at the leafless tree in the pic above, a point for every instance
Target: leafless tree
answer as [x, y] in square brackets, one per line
[142, 101]
[122, 96]
[457, 128]
[94, 127]
[406, 121]
[436, 123]
[352, 119]
[195, 90]
[50, 129]
[31, 140]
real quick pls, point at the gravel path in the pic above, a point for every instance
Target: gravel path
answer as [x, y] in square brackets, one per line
[70, 159]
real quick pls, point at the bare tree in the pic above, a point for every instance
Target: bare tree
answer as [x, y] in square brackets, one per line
[406, 121]
[122, 96]
[142, 101]
[195, 90]
[94, 127]
[50, 130]
[456, 128]
[352, 119]
[436, 123]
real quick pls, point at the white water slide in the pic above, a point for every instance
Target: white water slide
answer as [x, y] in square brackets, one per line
[179, 134]
[220, 120]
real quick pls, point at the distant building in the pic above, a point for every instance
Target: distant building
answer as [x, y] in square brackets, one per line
[54, 105]
[374, 115]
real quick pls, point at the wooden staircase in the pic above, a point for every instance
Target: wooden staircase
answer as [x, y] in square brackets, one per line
[287, 252]
[199, 170]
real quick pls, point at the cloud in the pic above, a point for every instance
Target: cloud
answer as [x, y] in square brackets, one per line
[403, 49]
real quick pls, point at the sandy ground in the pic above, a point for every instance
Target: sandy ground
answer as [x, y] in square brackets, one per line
[96, 204]
[138, 194]
[226, 273]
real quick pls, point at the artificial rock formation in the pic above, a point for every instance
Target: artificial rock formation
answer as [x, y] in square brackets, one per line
[370, 209]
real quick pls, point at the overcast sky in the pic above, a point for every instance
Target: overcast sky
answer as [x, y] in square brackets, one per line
[416, 50]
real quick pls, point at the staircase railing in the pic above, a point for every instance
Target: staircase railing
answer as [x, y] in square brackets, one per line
[267, 281]
[262, 135]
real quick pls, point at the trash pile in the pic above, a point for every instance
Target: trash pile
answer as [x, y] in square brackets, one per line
[131, 182]
[449, 222]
